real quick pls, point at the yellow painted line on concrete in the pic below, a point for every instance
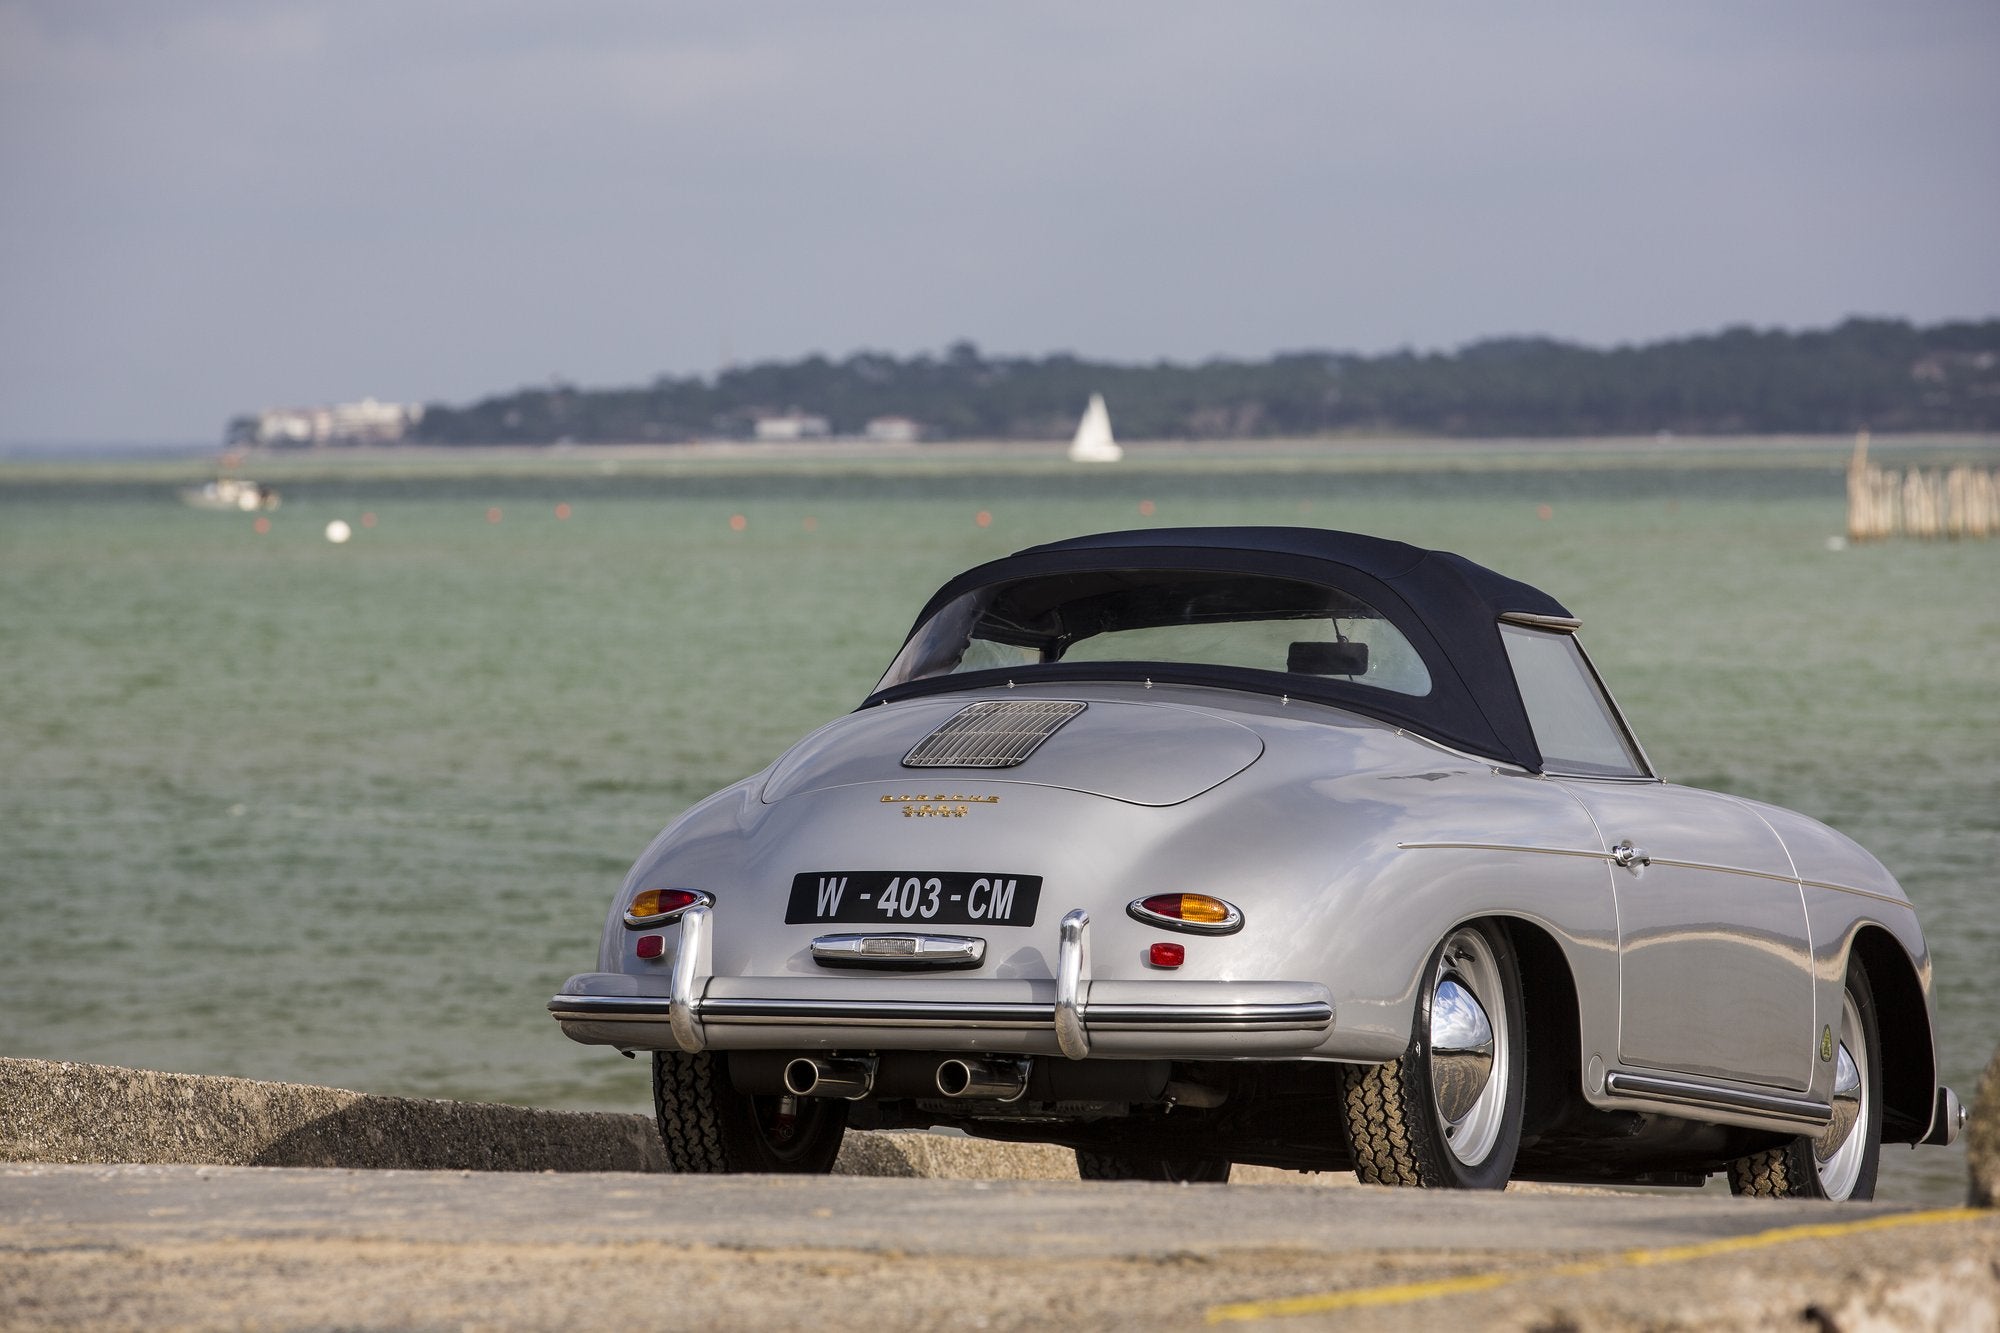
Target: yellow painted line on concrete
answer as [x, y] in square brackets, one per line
[1408, 1293]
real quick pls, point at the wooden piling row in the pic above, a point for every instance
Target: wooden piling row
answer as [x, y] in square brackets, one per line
[1958, 502]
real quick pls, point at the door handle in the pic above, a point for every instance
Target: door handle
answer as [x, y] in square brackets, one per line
[1625, 854]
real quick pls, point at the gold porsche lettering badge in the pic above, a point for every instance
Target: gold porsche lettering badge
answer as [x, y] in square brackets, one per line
[939, 806]
[1826, 1043]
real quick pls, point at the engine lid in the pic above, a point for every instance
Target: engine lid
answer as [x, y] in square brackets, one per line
[1145, 754]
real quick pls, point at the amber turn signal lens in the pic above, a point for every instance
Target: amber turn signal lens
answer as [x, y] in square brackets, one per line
[1189, 907]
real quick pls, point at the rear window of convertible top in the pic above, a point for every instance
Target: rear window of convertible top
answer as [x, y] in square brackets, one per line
[1139, 616]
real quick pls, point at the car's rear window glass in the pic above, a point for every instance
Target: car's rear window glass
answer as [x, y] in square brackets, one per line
[1575, 726]
[1139, 616]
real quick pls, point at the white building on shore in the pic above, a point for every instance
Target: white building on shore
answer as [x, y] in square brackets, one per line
[365, 422]
[793, 425]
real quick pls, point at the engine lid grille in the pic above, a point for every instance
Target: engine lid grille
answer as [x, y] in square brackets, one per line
[999, 733]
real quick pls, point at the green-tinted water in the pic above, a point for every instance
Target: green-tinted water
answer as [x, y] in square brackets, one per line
[349, 814]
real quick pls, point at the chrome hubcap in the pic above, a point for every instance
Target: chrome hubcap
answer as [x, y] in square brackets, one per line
[1461, 1050]
[1838, 1151]
[1468, 1048]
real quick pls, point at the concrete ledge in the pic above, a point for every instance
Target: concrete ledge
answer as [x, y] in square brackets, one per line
[52, 1112]
[103, 1115]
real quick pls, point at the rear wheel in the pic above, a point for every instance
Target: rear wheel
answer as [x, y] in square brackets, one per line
[1840, 1161]
[1192, 1170]
[1447, 1114]
[709, 1127]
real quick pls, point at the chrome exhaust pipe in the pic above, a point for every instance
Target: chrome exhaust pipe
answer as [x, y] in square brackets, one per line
[988, 1080]
[851, 1079]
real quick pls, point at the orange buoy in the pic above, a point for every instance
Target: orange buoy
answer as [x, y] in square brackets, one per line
[983, 519]
[1146, 508]
[493, 514]
[811, 524]
[737, 522]
[562, 511]
[1544, 513]
[368, 519]
[261, 526]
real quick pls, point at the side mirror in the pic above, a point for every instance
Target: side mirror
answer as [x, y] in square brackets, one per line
[1313, 658]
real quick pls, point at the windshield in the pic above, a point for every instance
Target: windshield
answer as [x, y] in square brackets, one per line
[1165, 616]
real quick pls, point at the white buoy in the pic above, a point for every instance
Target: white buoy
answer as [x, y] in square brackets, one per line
[338, 531]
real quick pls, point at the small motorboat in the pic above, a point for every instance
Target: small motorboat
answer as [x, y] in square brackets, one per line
[232, 493]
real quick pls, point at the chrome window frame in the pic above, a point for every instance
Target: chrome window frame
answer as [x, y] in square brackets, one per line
[1569, 625]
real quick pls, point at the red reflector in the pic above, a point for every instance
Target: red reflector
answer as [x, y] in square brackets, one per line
[1169, 955]
[650, 945]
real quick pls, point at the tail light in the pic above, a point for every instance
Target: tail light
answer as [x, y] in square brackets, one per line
[656, 907]
[1196, 913]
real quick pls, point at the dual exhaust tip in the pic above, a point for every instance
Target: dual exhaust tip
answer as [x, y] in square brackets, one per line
[853, 1079]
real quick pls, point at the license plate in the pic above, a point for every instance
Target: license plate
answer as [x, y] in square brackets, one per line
[913, 898]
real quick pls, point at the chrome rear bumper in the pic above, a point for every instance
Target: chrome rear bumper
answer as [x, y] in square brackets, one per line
[1073, 1015]
[1190, 1031]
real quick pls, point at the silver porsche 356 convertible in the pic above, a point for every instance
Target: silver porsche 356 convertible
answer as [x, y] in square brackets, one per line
[1196, 846]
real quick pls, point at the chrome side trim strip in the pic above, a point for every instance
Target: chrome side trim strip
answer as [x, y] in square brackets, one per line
[689, 980]
[1593, 854]
[1775, 1104]
[1656, 860]
[1072, 975]
[1307, 1016]
[1778, 879]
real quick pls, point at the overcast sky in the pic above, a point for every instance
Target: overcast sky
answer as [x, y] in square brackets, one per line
[209, 207]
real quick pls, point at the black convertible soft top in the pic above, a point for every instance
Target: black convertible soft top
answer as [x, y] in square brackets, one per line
[1448, 607]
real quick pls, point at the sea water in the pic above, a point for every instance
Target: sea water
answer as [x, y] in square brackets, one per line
[349, 813]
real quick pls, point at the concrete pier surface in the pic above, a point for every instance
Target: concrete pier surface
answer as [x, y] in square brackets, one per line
[918, 1232]
[161, 1247]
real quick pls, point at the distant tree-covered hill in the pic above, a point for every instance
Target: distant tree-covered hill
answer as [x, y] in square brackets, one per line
[1877, 373]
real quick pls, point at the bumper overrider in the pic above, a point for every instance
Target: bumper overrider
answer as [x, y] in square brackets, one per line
[1069, 1015]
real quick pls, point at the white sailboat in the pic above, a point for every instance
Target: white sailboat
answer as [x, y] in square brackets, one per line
[1093, 442]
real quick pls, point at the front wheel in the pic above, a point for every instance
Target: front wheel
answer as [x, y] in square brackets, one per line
[709, 1127]
[1840, 1161]
[1447, 1113]
[1188, 1170]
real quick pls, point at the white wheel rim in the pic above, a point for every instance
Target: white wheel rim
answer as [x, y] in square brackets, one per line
[1839, 1152]
[1467, 971]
